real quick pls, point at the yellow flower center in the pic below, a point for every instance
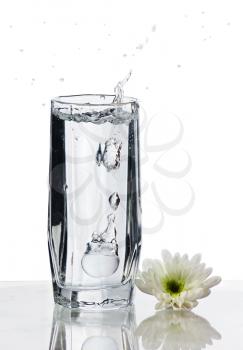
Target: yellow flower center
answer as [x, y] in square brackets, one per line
[173, 286]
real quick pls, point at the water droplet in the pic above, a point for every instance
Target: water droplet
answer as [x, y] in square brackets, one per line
[139, 47]
[114, 200]
[154, 28]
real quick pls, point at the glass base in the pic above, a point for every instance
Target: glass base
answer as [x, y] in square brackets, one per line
[108, 298]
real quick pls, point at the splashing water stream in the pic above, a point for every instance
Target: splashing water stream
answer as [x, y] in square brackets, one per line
[119, 91]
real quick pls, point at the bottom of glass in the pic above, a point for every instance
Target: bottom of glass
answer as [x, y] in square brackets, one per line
[95, 299]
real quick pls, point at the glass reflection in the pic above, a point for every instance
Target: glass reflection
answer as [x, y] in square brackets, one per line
[176, 330]
[103, 330]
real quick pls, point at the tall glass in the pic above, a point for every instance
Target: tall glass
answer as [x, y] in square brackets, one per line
[94, 230]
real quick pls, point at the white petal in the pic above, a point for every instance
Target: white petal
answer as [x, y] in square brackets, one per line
[161, 305]
[143, 286]
[158, 267]
[177, 257]
[195, 260]
[211, 282]
[166, 256]
[198, 293]
[147, 264]
[205, 293]
[207, 272]
[188, 305]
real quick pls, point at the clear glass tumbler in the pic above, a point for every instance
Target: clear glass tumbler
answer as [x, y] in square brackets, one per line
[94, 229]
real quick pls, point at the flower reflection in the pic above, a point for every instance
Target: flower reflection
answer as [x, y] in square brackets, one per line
[176, 330]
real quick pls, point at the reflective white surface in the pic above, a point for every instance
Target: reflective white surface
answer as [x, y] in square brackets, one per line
[29, 320]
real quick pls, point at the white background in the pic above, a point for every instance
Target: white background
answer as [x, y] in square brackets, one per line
[190, 65]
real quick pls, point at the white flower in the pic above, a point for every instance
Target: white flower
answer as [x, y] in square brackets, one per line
[173, 330]
[176, 281]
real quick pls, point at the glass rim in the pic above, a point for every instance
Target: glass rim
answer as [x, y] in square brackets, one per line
[67, 100]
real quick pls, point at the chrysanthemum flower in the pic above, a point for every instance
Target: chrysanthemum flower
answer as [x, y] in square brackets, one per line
[177, 282]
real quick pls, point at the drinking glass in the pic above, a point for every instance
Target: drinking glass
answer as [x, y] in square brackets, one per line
[94, 220]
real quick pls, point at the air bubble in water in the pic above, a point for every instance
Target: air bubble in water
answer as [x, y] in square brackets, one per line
[99, 156]
[114, 200]
[111, 155]
[100, 264]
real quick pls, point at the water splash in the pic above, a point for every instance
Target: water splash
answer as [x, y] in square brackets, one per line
[109, 235]
[112, 153]
[110, 157]
[101, 256]
[119, 91]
